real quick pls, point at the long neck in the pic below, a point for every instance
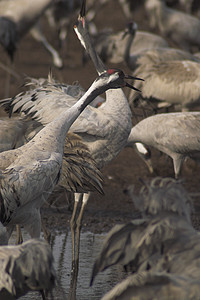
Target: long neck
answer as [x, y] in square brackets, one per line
[86, 42]
[127, 54]
[57, 129]
[116, 101]
[115, 98]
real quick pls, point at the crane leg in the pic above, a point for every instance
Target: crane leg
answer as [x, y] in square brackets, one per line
[79, 225]
[76, 225]
[19, 239]
[77, 198]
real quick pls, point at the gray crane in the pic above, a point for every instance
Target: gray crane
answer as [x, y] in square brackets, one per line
[175, 134]
[17, 18]
[158, 67]
[143, 151]
[154, 285]
[181, 28]
[165, 207]
[104, 130]
[79, 171]
[143, 52]
[161, 243]
[27, 180]
[173, 82]
[112, 46]
[24, 268]
[12, 133]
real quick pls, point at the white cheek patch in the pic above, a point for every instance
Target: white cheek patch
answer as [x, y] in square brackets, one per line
[141, 148]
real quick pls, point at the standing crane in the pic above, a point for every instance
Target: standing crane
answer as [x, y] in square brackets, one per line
[175, 134]
[79, 171]
[104, 130]
[27, 180]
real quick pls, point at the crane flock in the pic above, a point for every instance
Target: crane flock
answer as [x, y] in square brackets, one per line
[56, 137]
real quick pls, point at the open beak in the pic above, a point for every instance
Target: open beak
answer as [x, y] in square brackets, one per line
[133, 78]
[83, 9]
[81, 16]
[132, 87]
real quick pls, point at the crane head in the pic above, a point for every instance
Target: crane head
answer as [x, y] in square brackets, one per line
[82, 13]
[131, 28]
[116, 78]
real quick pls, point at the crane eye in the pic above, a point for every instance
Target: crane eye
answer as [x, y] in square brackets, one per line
[120, 73]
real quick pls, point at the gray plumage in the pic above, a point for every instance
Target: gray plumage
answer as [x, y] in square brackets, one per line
[112, 46]
[174, 82]
[79, 172]
[16, 19]
[154, 285]
[24, 268]
[27, 180]
[163, 240]
[181, 28]
[170, 75]
[12, 133]
[149, 52]
[163, 194]
[104, 130]
[175, 134]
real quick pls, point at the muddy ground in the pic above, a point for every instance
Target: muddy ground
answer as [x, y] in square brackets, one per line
[115, 206]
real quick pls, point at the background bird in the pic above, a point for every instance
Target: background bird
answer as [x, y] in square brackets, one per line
[27, 267]
[158, 242]
[17, 18]
[181, 28]
[168, 132]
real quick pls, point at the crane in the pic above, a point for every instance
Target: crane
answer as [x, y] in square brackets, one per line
[24, 268]
[181, 28]
[173, 82]
[161, 247]
[154, 285]
[175, 134]
[111, 46]
[27, 180]
[140, 51]
[17, 18]
[104, 130]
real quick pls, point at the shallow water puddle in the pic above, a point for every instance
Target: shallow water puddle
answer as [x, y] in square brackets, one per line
[89, 249]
